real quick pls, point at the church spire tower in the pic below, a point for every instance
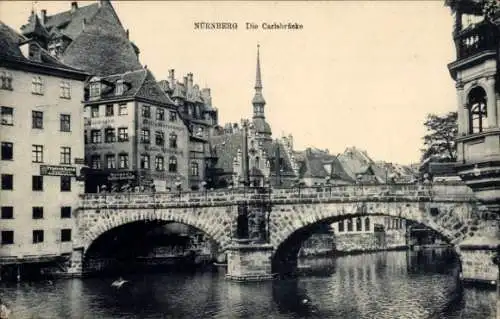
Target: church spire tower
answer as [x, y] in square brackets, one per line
[258, 102]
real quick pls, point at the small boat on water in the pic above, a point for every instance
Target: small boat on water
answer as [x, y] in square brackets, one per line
[119, 283]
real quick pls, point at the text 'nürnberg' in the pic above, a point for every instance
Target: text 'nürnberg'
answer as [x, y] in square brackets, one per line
[247, 26]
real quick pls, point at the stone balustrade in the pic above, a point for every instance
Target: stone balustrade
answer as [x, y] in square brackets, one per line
[445, 192]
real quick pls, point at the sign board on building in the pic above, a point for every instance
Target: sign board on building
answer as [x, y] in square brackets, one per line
[79, 161]
[121, 176]
[56, 170]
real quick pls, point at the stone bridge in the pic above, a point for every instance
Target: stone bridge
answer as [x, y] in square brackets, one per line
[259, 228]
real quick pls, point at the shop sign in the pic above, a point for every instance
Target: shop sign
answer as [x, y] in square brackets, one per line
[56, 170]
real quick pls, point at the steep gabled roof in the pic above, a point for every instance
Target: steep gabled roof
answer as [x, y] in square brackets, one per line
[226, 148]
[34, 27]
[102, 48]
[71, 23]
[10, 51]
[140, 83]
[314, 164]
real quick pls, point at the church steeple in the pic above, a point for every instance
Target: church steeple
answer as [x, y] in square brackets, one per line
[258, 100]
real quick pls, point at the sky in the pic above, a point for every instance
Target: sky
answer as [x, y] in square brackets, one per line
[361, 74]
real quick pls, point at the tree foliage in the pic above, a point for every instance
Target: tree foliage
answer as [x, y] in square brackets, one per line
[439, 141]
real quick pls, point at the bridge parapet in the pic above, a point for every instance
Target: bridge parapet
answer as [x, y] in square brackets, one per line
[334, 193]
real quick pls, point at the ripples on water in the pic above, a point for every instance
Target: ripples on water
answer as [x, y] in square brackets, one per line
[381, 285]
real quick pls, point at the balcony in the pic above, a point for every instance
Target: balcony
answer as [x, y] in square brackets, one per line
[476, 39]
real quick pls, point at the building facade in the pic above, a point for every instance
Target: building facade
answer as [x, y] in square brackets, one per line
[42, 151]
[134, 135]
[475, 71]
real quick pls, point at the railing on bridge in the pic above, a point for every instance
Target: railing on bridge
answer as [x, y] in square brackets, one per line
[220, 197]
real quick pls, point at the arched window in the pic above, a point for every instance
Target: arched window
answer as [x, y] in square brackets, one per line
[476, 106]
[341, 226]
[358, 224]
[173, 140]
[367, 223]
[349, 224]
[257, 160]
[172, 164]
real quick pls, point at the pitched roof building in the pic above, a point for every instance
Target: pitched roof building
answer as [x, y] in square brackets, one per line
[91, 38]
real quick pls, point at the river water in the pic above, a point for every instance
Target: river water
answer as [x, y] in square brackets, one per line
[378, 285]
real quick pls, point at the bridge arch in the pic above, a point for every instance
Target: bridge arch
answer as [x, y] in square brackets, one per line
[291, 224]
[216, 222]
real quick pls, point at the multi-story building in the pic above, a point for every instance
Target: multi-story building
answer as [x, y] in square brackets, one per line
[196, 110]
[134, 135]
[41, 133]
[475, 70]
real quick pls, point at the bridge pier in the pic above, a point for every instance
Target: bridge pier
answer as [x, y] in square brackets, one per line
[478, 265]
[75, 266]
[249, 261]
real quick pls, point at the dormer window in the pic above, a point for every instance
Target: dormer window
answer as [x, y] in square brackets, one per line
[120, 87]
[95, 88]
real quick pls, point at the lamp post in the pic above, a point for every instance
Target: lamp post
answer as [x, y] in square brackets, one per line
[204, 185]
[178, 185]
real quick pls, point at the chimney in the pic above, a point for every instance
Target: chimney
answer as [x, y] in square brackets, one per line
[127, 33]
[74, 6]
[171, 76]
[190, 81]
[44, 16]
[185, 82]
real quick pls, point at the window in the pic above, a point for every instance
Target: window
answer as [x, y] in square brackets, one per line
[37, 153]
[477, 109]
[172, 164]
[367, 224]
[7, 237]
[122, 109]
[358, 224]
[7, 115]
[66, 212]
[6, 78]
[95, 89]
[109, 110]
[65, 123]
[37, 85]
[65, 234]
[65, 183]
[37, 236]
[37, 119]
[144, 161]
[110, 161]
[349, 225]
[172, 140]
[7, 151]
[122, 134]
[65, 90]
[95, 136]
[194, 169]
[160, 114]
[160, 138]
[120, 87]
[341, 226]
[145, 136]
[94, 111]
[109, 135]
[37, 183]
[146, 111]
[257, 162]
[85, 137]
[37, 212]
[7, 181]
[173, 116]
[7, 212]
[65, 155]
[159, 163]
[123, 161]
[95, 161]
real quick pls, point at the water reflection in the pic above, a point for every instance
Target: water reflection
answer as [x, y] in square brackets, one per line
[378, 285]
